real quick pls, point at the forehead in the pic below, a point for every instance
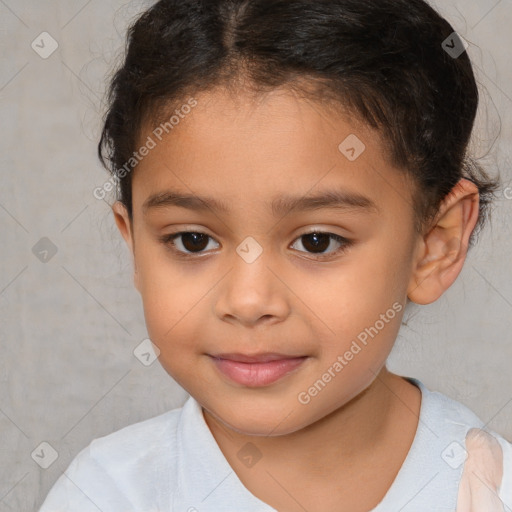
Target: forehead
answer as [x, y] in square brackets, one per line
[245, 151]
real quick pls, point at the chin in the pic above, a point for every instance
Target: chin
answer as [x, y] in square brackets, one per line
[260, 422]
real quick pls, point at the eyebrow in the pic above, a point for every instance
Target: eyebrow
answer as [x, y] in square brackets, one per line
[282, 205]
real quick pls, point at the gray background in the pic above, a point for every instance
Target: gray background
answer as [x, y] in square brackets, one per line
[70, 325]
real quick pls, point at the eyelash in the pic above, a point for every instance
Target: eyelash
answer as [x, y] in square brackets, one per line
[168, 241]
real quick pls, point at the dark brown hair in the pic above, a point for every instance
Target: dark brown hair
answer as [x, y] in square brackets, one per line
[383, 60]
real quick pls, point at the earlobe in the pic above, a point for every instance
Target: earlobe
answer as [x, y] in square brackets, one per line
[444, 247]
[125, 227]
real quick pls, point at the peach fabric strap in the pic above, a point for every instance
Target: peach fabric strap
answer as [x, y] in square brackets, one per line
[482, 475]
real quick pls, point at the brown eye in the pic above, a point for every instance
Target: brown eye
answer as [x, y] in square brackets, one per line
[318, 242]
[192, 242]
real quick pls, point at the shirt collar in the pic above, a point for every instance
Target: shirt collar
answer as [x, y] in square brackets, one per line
[206, 481]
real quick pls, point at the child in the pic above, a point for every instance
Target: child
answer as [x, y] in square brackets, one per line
[291, 174]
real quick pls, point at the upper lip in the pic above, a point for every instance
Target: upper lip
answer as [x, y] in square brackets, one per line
[255, 358]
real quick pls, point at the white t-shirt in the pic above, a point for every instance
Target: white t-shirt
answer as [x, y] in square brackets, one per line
[172, 463]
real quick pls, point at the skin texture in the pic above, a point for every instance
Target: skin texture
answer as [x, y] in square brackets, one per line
[358, 429]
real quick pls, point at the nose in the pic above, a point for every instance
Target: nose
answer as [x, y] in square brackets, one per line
[252, 293]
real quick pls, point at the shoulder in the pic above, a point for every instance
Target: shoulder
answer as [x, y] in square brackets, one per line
[136, 442]
[486, 482]
[131, 466]
[447, 412]
[484, 456]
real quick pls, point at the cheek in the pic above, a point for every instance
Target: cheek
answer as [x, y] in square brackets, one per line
[169, 313]
[363, 302]
[165, 296]
[168, 305]
[175, 301]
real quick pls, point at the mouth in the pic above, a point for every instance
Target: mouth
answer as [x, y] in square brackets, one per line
[255, 358]
[256, 370]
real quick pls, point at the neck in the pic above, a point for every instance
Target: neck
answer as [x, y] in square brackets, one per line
[355, 432]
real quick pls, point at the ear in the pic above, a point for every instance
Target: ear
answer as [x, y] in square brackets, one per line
[442, 251]
[125, 227]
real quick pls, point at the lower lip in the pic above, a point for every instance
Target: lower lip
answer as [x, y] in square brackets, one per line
[257, 374]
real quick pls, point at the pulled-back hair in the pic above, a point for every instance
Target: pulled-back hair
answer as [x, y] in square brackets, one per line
[381, 60]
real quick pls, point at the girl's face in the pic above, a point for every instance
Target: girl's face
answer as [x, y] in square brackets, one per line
[254, 279]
